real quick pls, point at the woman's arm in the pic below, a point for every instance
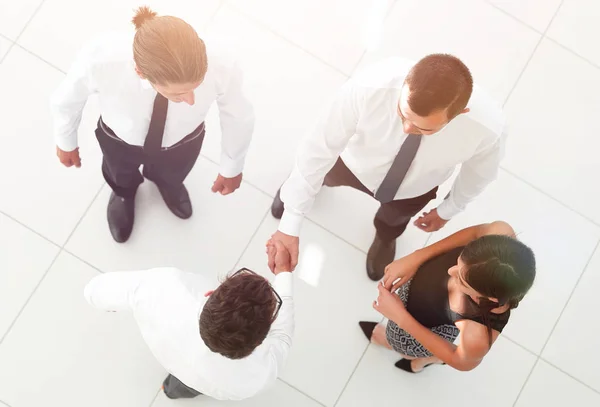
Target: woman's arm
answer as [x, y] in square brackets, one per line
[465, 356]
[463, 238]
[401, 270]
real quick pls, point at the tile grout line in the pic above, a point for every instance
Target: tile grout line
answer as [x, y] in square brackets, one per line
[381, 321]
[14, 321]
[585, 269]
[547, 195]
[542, 36]
[214, 15]
[554, 328]
[569, 375]
[39, 57]
[10, 46]
[4, 403]
[29, 21]
[351, 375]
[14, 43]
[514, 342]
[388, 13]
[12, 218]
[243, 180]
[517, 19]
[526, 381]
[287, 40]
[154, 399]
[301, 392]
[16, 318]
[251, 239]
[518, 80]
[83, 215]
[572, 52]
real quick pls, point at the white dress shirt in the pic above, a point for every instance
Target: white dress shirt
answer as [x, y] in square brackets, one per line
[106, 67]
[363, 127]
[167, 303]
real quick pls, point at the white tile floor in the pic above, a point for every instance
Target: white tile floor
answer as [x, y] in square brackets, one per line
[539, 57]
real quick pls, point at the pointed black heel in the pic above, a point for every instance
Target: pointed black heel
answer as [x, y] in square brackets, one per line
[367, 328]
[406, 365]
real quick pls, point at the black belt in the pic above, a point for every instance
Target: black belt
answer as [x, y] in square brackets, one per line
[197, 132]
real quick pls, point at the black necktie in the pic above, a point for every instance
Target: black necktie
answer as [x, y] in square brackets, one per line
[393, 179]
[154, 138]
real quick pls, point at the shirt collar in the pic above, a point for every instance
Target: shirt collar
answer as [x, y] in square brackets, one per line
[146, 85]
[144, 82]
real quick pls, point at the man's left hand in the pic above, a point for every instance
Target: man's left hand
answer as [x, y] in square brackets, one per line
[225, 186]
[430, 221]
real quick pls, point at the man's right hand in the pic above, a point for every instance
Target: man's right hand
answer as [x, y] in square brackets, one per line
[69, 158]
[281, 257]
[291, 244]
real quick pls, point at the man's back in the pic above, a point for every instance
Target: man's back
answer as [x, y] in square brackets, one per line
[166, 304]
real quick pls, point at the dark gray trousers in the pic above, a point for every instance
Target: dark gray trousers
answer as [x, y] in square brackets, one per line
[174, 389]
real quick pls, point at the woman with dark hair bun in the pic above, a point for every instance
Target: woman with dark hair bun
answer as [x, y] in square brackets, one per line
[467, 283]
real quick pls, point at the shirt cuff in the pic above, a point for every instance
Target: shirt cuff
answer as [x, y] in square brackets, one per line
[230, 168]
[447, 211]
[291, 223]
[68, 143]
[283, 284]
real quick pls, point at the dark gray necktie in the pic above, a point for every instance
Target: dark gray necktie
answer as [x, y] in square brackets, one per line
[154, 138]
[393, 179]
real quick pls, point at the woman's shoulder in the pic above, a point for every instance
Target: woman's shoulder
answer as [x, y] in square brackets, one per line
[498, 227]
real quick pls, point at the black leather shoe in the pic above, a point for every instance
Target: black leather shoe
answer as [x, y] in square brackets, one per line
[379, 256]
[177, 201]
[120, 214]
[277, 206]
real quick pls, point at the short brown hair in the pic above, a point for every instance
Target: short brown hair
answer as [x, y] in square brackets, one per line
[167, 50]
[439, 81]
[238, 315]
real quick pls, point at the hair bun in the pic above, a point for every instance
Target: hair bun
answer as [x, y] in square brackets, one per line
[143, 14]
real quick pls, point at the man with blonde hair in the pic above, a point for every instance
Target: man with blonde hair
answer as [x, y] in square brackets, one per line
[141, 83]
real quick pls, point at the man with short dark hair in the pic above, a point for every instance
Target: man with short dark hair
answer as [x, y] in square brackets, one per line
[396, 131]
[229, 344]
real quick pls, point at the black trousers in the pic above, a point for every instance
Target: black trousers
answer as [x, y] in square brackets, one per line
[175, 389]
[168, 169]
[393, 217]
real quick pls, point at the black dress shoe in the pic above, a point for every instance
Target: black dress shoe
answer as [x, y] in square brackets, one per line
[120, 214]
[277, 206]
[367, 328]
[177, 200]
[379, 256]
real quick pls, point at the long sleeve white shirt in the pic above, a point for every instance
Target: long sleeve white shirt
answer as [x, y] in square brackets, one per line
[167, 303]
[363, 128]
[105, 67]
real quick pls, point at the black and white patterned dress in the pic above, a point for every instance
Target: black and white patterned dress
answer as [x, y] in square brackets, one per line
[402, 342]
[425, 296]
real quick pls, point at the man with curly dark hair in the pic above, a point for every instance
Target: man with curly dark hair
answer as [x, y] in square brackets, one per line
[229, 343]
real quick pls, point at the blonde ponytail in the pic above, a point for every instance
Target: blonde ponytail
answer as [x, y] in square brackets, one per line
[142, 15]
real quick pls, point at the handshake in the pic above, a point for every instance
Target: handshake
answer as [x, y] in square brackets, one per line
[280, 260]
